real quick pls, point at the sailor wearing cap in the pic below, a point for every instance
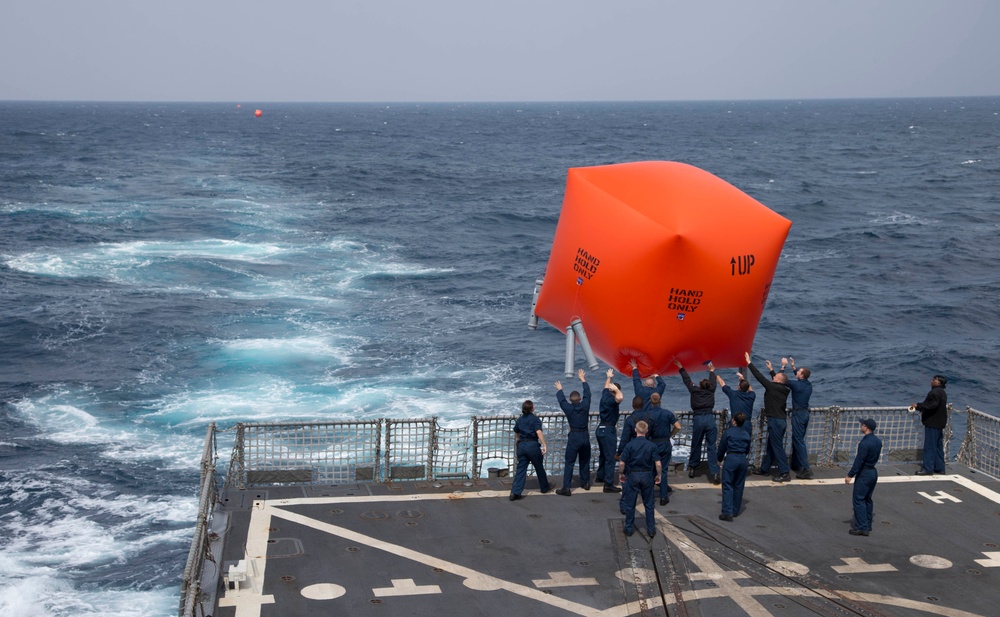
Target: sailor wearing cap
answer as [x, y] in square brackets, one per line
[865, 477]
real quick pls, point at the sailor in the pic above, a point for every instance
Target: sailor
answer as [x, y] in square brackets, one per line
[640, 471]
[646, 387]
[865, 477]
[801, 391]
[775, 396]
[733, 451]
[741, 400]
[934, 415]
[607, 433]
[639, 413]
[530, 446]
[664, 425]
[577, 410]
[703, 426]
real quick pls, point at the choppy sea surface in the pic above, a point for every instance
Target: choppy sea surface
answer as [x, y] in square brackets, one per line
[166, 265]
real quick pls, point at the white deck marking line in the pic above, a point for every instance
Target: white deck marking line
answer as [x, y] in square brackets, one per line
[940, 497]
[992, 559]
[478, 579]
[405, 587]
[710, 569]
[562, 579]
[857, 565]
[248, 601]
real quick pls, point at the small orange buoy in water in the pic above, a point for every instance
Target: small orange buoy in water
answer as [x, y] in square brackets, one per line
[258, 113]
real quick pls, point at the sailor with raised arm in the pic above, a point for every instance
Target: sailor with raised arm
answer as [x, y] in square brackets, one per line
[577, 410]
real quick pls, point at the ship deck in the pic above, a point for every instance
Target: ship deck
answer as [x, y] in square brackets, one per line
[461, 547]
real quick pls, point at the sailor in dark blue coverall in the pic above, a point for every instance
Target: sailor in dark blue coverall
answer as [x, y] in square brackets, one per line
[865, 477]
[741, 400]
[639, 413]
[640, 472]
[664, 425]
[530, 449]
[577, 412]
[801, 391]
[607, 433]
[733, 451]
[703, 426]
[646, 387]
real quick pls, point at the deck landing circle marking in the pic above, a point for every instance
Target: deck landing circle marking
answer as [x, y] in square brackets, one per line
[642, 576]
[931, 562]
[789, 568]
[323, 591]
[483, 583]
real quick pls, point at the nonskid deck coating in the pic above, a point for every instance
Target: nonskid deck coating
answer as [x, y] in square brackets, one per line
[463, 548]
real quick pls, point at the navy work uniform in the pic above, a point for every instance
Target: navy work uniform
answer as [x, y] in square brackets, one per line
[645, 391]
[703, 426]
[639, 458]
[801, 391]
[578, 441]
[865, 478]
[529, 450]
[662, 421]
[733, 451]
[775, 397]
[741, 401]
[607, 437]
[628, 434]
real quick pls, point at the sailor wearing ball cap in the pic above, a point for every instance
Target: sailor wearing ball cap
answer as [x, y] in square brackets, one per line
[865, 477]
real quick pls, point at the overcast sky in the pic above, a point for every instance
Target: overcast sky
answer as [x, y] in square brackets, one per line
[507, 50]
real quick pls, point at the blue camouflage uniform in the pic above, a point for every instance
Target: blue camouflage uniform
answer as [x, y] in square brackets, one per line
[645, 391]
[639, 458]
[865, 477]
[703, 426]
[801, 391]
[528, 451]
[733, 451]
[578, 441]
[607, 437]
[740, 401]
[661, 423]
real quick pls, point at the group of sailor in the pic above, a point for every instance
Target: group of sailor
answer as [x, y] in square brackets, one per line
[642, 457]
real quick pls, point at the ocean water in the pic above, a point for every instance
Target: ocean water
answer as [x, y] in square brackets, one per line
[167, 265]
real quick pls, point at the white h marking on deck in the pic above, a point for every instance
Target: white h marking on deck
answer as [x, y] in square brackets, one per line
[940, 497]
[405, 587]
[856, 565]
[562, 579]
[992, 559]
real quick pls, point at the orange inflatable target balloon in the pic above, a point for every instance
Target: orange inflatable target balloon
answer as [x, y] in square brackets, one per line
[659, 261]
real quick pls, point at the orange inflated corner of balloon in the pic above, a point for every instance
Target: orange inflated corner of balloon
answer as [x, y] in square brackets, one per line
[661, 261]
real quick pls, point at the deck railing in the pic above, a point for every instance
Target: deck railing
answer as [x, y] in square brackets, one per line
[388, 450]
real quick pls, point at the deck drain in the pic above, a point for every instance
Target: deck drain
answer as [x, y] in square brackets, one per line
[583, 563]
[485, 541]
[353, 549]
[990, 545]
[886, 522]
[858, 550]
[779, 605]
[534, 516]
[974, 571]
[271, 541]
[796, 507]
[375, 601]
[336, 511]
[288, 578]
[272, 529]
[932, 598]
[412, 523]
[596, 501]
[439, 570]
[409, 514]
[843, 577]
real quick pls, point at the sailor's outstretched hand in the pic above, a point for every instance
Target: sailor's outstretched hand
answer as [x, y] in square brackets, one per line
[558, 385]
[747, 356]
[582, 375]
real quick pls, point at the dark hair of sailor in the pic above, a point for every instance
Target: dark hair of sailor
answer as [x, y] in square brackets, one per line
[740, 418]
[527, 407]
[637, 402]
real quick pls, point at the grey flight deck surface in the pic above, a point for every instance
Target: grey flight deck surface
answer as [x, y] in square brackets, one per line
[462, 548]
